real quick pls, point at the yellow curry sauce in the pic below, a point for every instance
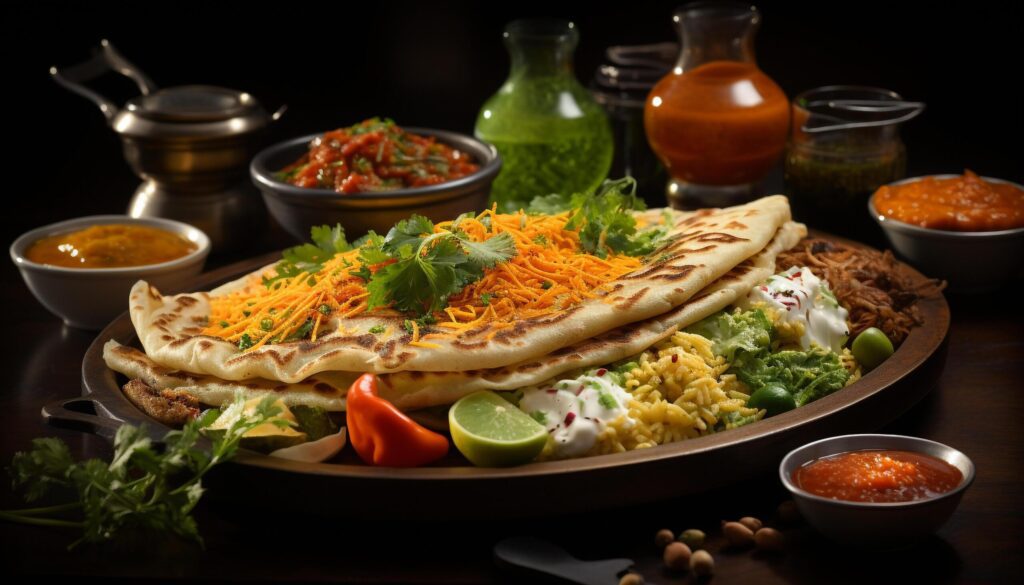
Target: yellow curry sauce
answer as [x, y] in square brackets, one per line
[110, 246]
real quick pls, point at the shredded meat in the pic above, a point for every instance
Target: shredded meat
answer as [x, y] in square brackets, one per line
[171, 407]
[876, 289]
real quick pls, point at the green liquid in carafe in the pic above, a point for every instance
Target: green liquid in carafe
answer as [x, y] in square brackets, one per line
[570, 164]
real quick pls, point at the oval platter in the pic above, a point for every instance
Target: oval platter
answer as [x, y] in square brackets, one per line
[567, 486]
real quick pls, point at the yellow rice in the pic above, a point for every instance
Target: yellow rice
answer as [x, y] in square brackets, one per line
[675, 399]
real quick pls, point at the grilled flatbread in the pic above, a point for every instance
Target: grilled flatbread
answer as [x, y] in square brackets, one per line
[701, 247]
[412, 390]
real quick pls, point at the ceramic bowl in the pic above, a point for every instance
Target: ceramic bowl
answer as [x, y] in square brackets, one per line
[89, 298]
[970, 262]
[875, 524]
[299, 208]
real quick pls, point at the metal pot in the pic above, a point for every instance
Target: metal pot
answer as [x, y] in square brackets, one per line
[191, 146]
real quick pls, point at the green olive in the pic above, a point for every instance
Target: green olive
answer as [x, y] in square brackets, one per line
[773, 398]
[871, 348]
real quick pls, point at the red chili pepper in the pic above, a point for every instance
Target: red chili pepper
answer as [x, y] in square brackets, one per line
[382, 435]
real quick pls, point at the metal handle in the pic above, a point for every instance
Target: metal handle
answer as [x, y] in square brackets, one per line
[107, 59]
[82, 414]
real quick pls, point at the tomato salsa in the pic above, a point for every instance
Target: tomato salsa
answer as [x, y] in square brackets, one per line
[376, 155]
[878, 476]
[964, 203]
[110, 246]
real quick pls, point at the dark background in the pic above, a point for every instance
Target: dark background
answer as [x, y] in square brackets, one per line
[433, 64]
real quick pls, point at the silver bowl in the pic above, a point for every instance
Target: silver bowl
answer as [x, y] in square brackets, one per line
[90, 298]
[299, 208]
[970, 262]
[876, 525]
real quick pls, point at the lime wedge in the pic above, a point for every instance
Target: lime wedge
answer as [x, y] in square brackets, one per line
[491, 432]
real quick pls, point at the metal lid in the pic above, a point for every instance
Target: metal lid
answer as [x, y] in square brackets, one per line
[191, 112]
[192, 103]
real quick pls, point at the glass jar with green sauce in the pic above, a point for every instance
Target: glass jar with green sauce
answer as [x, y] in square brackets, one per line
[551, 134]
[844, 144]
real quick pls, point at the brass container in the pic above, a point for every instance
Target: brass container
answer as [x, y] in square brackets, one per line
[190, 145]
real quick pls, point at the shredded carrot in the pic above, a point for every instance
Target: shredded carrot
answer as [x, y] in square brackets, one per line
[550, 272]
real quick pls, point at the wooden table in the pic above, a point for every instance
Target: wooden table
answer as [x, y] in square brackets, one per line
[976, 407]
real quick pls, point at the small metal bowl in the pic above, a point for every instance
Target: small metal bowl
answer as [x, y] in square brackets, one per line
[970, 262]
[299, 208]
[871, 524]
[90, 298]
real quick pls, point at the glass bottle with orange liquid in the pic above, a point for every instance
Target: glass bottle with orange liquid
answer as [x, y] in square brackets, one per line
[717, 121]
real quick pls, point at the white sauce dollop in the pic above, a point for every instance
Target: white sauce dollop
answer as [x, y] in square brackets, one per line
[797, 295]
[575, 411]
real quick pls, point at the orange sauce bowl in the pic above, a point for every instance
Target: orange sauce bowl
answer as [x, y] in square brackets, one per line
[91, 297]
[970, 261]
[877, 524]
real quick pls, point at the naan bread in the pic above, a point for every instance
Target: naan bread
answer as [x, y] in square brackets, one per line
[412, 390]
[701, 247]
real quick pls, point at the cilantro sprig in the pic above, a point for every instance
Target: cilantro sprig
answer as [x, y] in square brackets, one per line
[605, 218]
[142, 487]
[418, 269]
[310, 258]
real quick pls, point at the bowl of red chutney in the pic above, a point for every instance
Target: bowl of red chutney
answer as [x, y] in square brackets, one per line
[371, 175]
[876, 491]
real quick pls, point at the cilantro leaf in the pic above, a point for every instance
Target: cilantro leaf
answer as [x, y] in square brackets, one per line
[327, 242]
[604, 218]
[141, 488]
[427, 267]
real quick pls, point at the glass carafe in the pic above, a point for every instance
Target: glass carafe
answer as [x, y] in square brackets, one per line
[551, 134]
[717, 122]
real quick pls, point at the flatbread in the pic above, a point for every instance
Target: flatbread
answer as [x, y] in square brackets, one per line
[326, 390]
[413, 390]
[701, 247]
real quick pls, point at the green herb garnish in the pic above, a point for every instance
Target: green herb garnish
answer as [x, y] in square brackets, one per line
[245, 342]
[485, 299]
[266, 324]
[142, 487]
[310, 258]
[605, 218]
[428, 267]
[377, 329]
[607, 400]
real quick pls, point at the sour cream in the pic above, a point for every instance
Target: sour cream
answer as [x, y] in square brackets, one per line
[574, 411]
[798, 296]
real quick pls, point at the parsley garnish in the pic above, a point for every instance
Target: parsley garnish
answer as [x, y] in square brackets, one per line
[377, 329]
[539, 416]
[266, 324]
[327, 242]
[485, 299]
[324, 309]
[142, 487]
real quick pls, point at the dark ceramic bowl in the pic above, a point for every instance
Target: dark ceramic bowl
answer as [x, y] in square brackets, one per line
[875, 525]
[299, 208]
